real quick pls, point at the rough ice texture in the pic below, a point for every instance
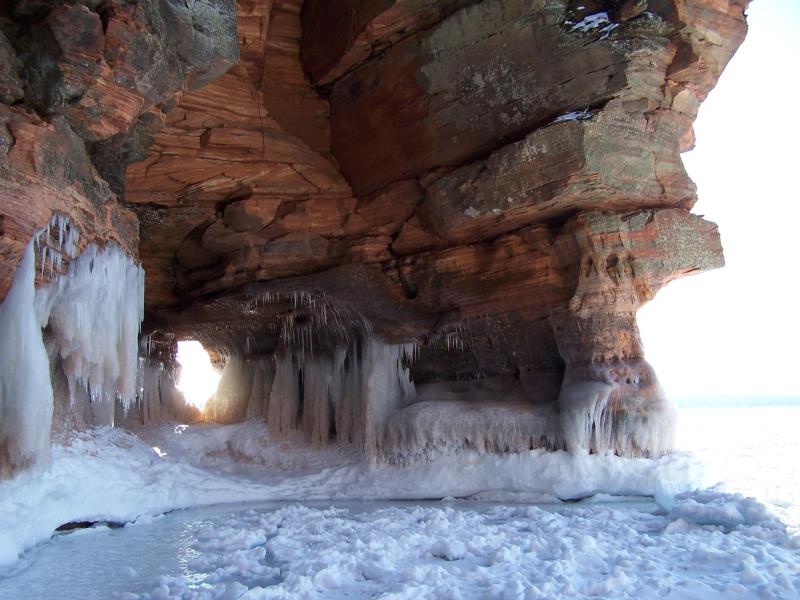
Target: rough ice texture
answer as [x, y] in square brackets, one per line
[625, 413]
[428, 429]
[92, 316]
[26, 395]
[704, 544]
[362, 394]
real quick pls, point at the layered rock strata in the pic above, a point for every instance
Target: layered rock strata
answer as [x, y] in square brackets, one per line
[496, 182]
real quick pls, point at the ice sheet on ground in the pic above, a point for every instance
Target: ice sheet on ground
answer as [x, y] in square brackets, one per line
[418, 550]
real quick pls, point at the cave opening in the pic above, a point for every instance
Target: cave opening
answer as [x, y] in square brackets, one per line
[198, 379]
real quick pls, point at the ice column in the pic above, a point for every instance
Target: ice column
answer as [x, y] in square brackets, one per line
[26, 394]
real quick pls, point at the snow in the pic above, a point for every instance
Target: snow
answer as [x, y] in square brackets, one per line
[728, 511]
[575, 115]
[103, 474]
[598, 22]
[416, 550]
[513, 552]
[106, 474]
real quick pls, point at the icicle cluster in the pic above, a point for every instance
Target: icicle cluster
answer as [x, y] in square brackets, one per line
[157, 397]
[594, 419]
[58, 239]
[348, 393]
[92, 315]
[323, 320]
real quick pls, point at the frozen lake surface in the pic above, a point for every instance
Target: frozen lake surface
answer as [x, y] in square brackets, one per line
[755, 450]
[709, 546]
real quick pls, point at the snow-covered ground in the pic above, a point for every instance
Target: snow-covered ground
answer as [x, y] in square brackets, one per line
[705, 544]
[429, 550]
[754, 450]
[108, 474]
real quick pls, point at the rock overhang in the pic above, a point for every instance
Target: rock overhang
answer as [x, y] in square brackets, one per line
[497, 182]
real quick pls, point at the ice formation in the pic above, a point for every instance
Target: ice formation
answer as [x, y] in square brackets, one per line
[433, 428]
[157, 398]
[26, 395]
[347, 394]
[594, 418]
[361, 393]
[386, 388]
[92, 315]
[81, 327]
[243, 390]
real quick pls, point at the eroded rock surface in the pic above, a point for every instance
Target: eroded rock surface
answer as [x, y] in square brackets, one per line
[496, 182]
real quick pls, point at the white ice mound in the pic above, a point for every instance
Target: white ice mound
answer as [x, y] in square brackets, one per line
[715, 508]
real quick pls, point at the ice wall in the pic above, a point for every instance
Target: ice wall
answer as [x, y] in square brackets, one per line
[386, 389]
[284, 401]
[26, 394]
[616, 407]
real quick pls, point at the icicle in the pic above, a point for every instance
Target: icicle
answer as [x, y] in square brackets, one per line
[26, 393]
[285, 398]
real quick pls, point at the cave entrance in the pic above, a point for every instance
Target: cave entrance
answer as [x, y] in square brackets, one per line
[198, 379]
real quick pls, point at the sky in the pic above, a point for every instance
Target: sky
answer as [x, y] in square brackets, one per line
[735, 331]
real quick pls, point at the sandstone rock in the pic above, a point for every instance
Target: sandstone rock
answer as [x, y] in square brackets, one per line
[10, 83]
[364, 28]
